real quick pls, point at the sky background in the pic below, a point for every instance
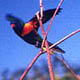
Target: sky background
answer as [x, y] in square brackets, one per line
[15, 53]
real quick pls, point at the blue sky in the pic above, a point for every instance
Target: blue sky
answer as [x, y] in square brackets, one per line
[15, 53]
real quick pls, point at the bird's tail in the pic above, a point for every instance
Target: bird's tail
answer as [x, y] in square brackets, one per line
[54, 49]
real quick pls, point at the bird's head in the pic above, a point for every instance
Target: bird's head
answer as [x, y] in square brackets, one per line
[16, 23]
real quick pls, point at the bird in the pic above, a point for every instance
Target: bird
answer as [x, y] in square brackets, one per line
[28, 31]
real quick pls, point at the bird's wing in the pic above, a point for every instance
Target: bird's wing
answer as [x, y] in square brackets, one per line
[47, 14]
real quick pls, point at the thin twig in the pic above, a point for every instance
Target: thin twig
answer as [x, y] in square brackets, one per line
[66, 37]
[47, 49]
[52, 21]
[54, 16]
[30, 65]
[63, 39]
[65, 64]
[49, 62]
[41, 8]
[46, 43]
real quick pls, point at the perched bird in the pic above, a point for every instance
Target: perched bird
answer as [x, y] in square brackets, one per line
[28, 31]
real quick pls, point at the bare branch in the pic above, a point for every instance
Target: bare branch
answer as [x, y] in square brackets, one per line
[52, 21]
[41, 8]
[63, 39]
[54, 16]
[47, 48]
[65, 64]
[66, 37]
[45, 41]
[30, 65]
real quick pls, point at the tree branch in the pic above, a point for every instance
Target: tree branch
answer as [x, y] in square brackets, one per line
[45, 41]
[52, 21]
[30, 65]
[47, 49]
[70, 70]
[66, 37]
[41, 8]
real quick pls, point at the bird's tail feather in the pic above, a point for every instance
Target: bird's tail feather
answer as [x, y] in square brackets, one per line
[54, 49]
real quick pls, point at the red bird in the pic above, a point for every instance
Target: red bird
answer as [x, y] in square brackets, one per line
[28, 31]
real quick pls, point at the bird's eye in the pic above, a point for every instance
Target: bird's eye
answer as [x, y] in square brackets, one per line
[12, 25]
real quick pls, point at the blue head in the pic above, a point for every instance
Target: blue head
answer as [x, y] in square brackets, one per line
[16, 23]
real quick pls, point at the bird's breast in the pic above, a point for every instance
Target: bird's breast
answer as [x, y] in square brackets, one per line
[28, 27]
